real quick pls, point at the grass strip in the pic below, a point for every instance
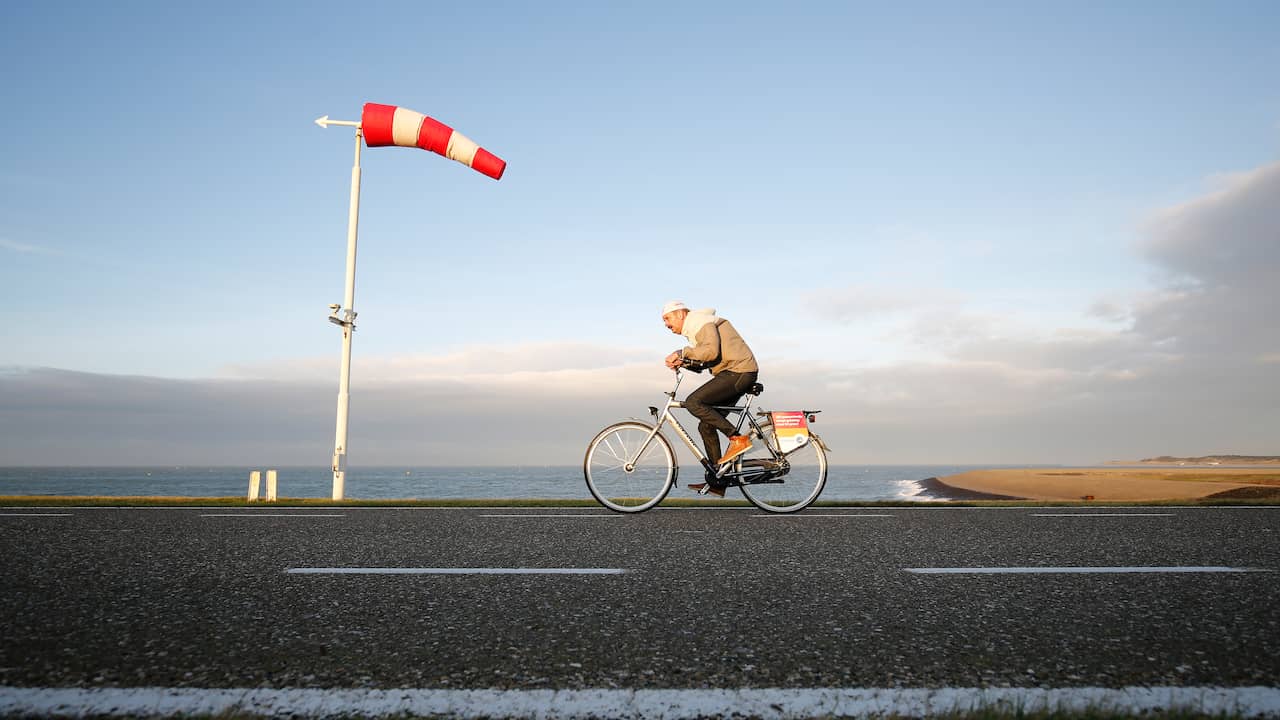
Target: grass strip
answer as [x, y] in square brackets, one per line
[162, 501]
[981, 714]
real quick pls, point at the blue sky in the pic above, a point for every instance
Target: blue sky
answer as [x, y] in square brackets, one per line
[877, 197]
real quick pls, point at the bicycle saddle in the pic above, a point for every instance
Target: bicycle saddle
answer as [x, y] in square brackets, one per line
[756, 389]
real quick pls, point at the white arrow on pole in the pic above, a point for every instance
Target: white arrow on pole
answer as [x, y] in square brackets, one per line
[325, 122]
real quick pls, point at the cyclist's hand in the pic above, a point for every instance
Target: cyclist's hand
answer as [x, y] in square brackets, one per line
[673, 361]
[693, 365]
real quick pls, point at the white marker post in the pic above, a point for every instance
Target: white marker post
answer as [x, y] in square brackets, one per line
[379, 126]
[348, 321]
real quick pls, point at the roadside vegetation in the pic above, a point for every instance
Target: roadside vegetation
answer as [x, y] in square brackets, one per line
[154, 501]
[991, 714]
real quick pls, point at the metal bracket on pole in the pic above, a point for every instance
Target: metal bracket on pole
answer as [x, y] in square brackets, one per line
[348, 321]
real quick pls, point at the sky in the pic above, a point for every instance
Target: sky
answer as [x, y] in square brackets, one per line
[973, 233]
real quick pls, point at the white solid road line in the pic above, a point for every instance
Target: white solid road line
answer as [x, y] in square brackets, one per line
[35, 514]
[1078, 570]
[452, 571]
[767, 703]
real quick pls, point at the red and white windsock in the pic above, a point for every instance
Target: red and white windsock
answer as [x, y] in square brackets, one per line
[390, 125]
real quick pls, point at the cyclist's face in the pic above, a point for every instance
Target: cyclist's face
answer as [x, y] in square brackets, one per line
[675, 320]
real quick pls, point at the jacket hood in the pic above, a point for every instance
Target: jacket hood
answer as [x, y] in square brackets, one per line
[695, 321]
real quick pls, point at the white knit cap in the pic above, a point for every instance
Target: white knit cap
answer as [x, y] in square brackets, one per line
[673, 306]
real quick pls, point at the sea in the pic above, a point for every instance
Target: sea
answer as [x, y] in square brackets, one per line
[844, 482]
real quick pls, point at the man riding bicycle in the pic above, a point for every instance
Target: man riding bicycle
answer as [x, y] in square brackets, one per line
[714, 344]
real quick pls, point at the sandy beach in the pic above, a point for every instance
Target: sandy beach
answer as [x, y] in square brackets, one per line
[1111, 484]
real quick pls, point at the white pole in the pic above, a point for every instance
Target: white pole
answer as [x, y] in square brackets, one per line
[348, 324]
[255, 478]
[271, 485]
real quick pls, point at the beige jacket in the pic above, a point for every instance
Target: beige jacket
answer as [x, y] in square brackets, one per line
[715, 343]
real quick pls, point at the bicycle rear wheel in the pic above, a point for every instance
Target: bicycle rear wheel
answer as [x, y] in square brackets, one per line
[621, 481]
[798, 487]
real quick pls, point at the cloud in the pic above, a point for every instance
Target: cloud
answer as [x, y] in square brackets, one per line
[860, 302]
[493, 363]
[1111, 310]
[1221, 254]
[1231, 232]
[1190, 367]
[26, 249]
[41, 250]
[61, 417]
[56, 417]
[1192, 370]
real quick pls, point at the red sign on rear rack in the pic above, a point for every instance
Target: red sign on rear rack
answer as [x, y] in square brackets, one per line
[791, 428]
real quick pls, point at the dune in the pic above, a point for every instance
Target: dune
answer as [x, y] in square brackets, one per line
[1116, 484]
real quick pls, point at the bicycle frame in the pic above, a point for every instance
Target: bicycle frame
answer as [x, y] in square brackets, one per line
[727, 471]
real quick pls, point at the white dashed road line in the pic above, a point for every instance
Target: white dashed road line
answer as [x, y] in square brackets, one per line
[548, 515]
[1093, 515]
[272, 515]
[1078, 570]
[821, 515]
[453, 571]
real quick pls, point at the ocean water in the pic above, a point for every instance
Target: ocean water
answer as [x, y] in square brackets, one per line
[844, 482]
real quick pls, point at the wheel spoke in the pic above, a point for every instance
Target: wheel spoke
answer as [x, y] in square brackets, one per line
[621, 457]
[799, 486]
[622, 483]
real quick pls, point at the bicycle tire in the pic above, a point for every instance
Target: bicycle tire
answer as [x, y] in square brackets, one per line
[642, 486]
[799, 487]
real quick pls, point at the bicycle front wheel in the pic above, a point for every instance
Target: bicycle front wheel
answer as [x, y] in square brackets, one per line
[789, 491]
[620, 476]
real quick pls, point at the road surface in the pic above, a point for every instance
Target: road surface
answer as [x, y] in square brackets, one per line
[580, 598]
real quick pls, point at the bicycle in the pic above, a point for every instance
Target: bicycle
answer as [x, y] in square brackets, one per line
[630, 466]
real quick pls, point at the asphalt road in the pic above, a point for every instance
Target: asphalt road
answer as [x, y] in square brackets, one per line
[707, 598]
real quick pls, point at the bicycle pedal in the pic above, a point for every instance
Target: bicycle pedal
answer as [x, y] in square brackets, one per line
[706, 489]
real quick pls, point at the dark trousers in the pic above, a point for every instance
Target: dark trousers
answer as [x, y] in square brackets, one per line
[723, 389]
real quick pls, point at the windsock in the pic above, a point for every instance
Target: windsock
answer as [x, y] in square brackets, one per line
[390, 125]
